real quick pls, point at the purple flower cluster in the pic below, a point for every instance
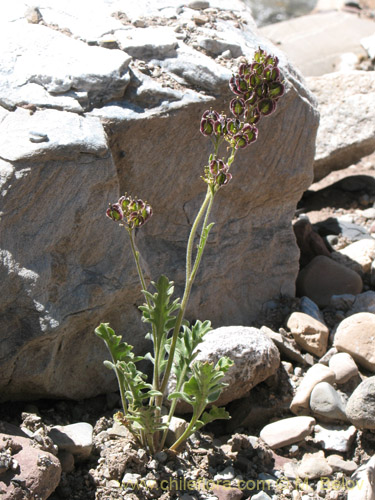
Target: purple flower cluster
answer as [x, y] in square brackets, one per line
[257, 88]
[131, 212]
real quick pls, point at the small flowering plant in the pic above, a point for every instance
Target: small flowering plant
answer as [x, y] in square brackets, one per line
[257, 88]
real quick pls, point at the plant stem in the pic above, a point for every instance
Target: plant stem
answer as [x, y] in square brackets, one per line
[190, 275]
[143, 284]
[190, 244]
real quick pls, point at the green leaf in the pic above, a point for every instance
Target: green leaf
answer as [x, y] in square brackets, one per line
[159, 312]
[214, 413]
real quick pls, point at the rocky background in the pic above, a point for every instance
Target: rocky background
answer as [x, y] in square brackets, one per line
[90, 110]
[301, 391]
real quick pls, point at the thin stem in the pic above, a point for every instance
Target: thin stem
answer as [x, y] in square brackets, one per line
[187, 431]
[122, 390]
[143, 284]
[206, 206]
[190, 244]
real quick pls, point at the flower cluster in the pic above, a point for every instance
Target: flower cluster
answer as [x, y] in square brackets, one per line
[131, 212]
[257, 88]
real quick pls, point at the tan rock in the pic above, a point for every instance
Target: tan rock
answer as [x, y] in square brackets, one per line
[309, 333]
[344, 367]
[315, 374]
[323, 277]
[314, 465]
[287, 431]
[355, 335]
[362, 252]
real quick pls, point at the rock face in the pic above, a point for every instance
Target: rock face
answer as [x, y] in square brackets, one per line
[77, 134]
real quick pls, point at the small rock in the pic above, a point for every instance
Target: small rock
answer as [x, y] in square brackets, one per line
[362, 252]
[309, 307]
[216, 47]
[225, 493]
[355, 335]
[336, 438]
[364, 302]
[314, 465]
[328, 355]
[369, 213]
[75, 438]
[198, 4]
[309, 333]
[227, 474]
[177, 427]
[314, 375]
[344, 367]
[323, 277]
[161, 457]
[363, 482]
[343, 302]
[38, 137]
[326, 402]
[338, 464]
[360, 408]
[287, 431]
[285, 346]
[262, 495]
[200, 19]
[131, 479]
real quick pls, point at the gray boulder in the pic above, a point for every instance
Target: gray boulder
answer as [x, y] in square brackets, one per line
[347, 107]
[82, 124]
[254, 354]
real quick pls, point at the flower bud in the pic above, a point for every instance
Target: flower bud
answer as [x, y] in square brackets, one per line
[124, 203]
[114, 212]
[242, 85]
[275, 89]
[136, 220]
[237, 106]
[252, 116]
[271, 73]
[241, 141]
[251, 132]
[223, 178]
[207, 126]
[266, 106]
[233, 126]
[233, 86]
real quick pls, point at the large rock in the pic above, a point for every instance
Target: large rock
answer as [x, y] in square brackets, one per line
[64, 266]
[347, 125]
